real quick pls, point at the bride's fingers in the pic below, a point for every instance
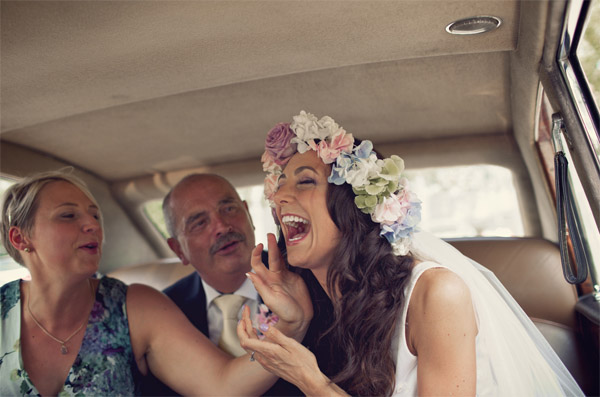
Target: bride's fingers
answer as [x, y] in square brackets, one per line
[249, 340]
[256, 261]
[245, 331]
[276, 264]
[261, 347]
[262, 287]
[252, 334]
[242, 330]
[274, 335]
[256, 258]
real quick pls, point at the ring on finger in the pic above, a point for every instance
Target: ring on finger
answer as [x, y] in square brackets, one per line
[252, 356]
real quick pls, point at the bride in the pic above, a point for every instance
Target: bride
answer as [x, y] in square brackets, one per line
[414, 316]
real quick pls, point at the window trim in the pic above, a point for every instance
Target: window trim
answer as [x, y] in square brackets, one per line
[573, 76]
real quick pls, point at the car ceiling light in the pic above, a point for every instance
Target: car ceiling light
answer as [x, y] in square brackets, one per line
[474, 25]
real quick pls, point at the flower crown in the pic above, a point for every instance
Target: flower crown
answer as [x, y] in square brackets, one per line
[380, 189]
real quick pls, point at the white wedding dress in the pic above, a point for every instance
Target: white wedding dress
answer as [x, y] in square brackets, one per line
[513, 358]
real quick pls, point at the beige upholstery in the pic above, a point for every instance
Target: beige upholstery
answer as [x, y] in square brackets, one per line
[531, 271]
[159, 274]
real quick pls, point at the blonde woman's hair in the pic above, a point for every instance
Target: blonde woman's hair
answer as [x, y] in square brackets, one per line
[20, 203]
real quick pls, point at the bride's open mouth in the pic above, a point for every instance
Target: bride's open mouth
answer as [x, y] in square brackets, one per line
[296, 227]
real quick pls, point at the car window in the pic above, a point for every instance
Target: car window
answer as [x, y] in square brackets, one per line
[578, 59]
[463, 201]
[588, 50]
[468, 201]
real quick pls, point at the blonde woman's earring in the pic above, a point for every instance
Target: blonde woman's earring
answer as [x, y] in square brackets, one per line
[27, 250]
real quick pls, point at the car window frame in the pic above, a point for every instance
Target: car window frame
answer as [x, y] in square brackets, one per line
[578, 109]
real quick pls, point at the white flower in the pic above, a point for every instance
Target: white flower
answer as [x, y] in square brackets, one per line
[302, 145]
[329, 128]
[401, 247]
[363, 170]
[373, 165]
[306, 127]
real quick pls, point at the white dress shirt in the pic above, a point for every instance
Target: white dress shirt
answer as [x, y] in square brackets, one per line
[214, 315]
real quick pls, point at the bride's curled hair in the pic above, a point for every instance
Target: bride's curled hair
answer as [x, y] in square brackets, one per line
[370, 281]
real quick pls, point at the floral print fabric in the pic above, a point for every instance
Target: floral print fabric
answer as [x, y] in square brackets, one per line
[104, 365]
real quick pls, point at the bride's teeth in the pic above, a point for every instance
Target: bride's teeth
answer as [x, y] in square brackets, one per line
[291, 219]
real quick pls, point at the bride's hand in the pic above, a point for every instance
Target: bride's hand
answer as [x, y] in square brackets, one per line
[284, 292]
[285, 358]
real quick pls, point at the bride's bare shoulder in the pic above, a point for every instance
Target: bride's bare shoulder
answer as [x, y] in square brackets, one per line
[441, 288]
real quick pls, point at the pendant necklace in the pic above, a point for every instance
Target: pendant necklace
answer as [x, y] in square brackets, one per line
[63, 347]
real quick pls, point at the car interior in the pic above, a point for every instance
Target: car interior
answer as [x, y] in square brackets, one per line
[136, 95]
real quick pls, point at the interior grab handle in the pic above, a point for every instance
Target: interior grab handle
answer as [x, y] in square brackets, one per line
[568, 220]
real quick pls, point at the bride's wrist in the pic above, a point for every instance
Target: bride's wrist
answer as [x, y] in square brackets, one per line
[295, 329]
[321, 386]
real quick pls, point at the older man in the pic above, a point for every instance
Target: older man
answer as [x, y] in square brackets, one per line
[211, 229]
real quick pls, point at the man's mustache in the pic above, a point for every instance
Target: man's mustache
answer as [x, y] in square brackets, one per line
[226, 239]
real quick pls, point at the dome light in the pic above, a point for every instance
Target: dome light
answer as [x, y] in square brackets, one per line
[474, 25]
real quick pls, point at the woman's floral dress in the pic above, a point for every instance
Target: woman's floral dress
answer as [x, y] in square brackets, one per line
[105, 364]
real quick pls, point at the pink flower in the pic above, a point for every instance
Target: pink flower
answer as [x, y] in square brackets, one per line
[271, 186]
[278, 143]
[269, 164]
[393, 209]
[340, 142]
[312, 145]
[265, 316]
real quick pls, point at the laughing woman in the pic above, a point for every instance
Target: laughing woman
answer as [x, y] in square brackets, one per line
[67, 333]
[414, 316]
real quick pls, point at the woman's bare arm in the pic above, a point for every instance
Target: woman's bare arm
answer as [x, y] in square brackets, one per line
[441, 332]
[166, 343]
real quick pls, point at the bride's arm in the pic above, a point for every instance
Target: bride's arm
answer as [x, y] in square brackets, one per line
[441, 332]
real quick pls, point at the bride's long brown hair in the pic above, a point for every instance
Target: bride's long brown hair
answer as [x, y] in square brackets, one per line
[370, 280]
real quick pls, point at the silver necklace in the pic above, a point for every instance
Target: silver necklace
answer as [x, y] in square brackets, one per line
[63, 348]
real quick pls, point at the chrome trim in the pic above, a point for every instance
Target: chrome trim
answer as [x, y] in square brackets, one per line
[557, 126]
[583, 109]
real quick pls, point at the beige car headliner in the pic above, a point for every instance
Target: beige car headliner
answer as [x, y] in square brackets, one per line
[128, 89]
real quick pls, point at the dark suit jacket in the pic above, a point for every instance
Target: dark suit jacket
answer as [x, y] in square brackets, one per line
[188, 294]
